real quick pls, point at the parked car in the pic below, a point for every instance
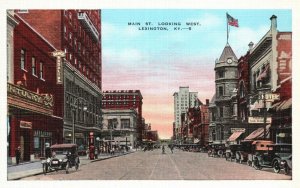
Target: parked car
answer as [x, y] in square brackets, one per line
[64, 157]
[257, 147]
[241, 155]
[216, 150]
[273, 156]
[231, 150]
[286, 164]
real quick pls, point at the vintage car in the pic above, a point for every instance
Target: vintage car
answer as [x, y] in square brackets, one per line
[241, 155]
[231, 150]
[257, 147]
[286, 164]
[273, 156]
[64, 157]
[216, 150]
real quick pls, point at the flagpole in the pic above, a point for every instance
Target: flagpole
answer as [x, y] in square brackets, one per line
[227, 27]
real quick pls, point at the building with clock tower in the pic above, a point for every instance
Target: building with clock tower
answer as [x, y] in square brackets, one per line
[224, 109]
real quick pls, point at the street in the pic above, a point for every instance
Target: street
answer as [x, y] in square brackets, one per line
[153, 165]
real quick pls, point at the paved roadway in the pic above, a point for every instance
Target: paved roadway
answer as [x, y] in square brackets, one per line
[152, 165]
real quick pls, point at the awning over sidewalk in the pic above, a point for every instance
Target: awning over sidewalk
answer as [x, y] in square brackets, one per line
[235, 136]
[283, 105]
[258, 133]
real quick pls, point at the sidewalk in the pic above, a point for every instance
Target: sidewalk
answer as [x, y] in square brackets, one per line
[15, 172]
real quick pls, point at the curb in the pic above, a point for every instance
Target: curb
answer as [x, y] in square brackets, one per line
[95, 160]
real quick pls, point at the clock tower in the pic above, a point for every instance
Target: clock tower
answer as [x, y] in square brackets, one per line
[226, 78]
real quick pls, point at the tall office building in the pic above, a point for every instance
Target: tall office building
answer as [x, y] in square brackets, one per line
[183, 100]
[76, 35]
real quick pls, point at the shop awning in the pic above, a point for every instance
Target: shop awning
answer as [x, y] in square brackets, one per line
[235, 136]
[286, 105]
[283, 105]
[258, 133]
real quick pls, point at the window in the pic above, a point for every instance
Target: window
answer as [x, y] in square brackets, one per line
[70, 36]
[33, 64]
[42, 70]
[65, 31]
[221, 92]
[221, 111]
[221, 74]
[125, 123]
[23, 59]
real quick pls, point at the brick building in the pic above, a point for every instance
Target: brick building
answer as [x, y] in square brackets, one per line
[77, 33]
[126, 99]
[270, 71]
[33, 97]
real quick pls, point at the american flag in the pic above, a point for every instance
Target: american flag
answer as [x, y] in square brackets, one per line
[231, 21]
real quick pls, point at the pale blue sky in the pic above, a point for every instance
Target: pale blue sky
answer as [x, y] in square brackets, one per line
[158, 62]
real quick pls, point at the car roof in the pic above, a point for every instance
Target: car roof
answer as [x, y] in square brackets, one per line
[56, 146]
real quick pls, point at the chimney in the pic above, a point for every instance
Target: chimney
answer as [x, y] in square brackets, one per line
[273, 22]
[207, 102]
[250, 45]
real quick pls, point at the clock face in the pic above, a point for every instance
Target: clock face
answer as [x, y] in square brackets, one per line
[229, 60]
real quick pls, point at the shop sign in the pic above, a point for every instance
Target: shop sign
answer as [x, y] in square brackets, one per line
[44, 99]
[79, 135]
[237, 130]
[40, 133]
[26, 124]
[259, 120]
[270, 97]
[59, 67]
[59, 79]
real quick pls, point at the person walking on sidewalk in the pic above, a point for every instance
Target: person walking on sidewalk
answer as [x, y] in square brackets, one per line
[18, 154]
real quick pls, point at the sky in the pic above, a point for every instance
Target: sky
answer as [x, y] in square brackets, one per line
[158, 62]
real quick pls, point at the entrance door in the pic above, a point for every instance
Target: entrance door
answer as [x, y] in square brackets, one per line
[25, 145]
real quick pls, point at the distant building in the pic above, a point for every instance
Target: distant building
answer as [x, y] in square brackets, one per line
[183, 100]
[119, 127]
[126, 99]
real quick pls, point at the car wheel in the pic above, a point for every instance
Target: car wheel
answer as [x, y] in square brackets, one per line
[256, 165]
[45, 168]
[286, 169]
[249, 163]
[76, 166]
[276, 167]
[67, 167]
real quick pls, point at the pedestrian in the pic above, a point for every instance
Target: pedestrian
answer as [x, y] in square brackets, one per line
[18, 154]
[96, 152]
[163, 149]
[113, 150]
[87, 153]
[47, 151]
[171, 147]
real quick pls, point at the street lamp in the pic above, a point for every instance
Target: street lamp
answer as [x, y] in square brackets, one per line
[74, 111]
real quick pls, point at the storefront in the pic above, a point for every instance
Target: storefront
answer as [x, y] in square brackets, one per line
[31, 123]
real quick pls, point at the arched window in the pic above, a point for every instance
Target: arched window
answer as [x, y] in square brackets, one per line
[242, 89]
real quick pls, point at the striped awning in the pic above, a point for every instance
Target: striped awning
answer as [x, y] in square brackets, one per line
[235, 136]
[258, 133]
[282, 105]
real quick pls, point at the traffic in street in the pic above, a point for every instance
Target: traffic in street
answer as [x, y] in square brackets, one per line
[154, 165]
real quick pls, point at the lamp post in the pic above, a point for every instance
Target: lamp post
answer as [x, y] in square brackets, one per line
[73, 124]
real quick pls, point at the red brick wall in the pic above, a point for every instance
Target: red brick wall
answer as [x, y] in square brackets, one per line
[47, 22]
[284, 58]
[50, 24]
[25, 38]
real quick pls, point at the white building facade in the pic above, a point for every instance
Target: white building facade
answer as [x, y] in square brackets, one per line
[183, 100]
[119, 127]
